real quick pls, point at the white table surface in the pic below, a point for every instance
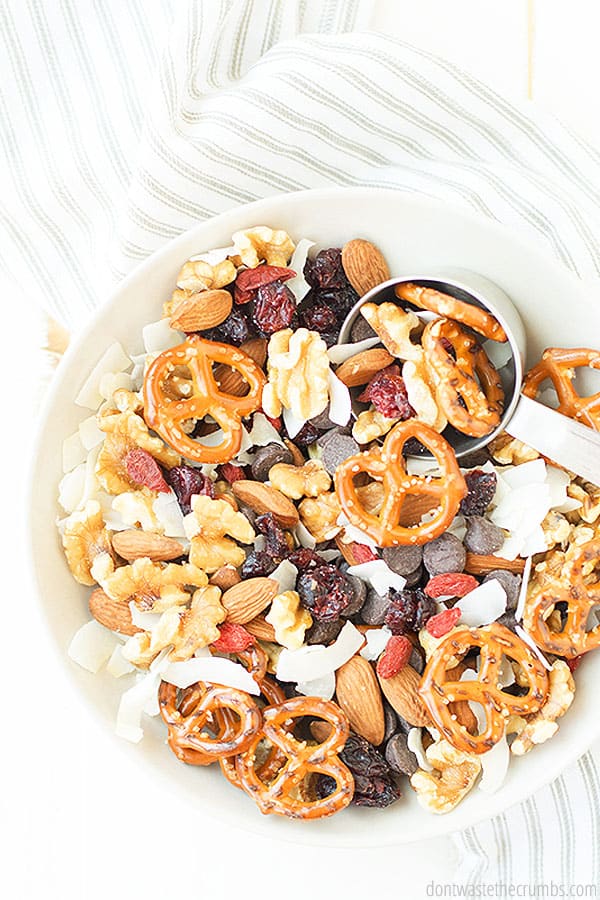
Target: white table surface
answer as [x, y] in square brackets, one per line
[80, 821]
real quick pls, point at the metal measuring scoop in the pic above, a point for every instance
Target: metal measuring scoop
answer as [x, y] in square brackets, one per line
[565, 441]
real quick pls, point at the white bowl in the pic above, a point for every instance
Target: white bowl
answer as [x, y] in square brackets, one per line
[415, 234]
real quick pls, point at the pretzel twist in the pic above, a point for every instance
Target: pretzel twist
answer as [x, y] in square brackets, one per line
[439, 689]
[468, 387]
[579, 589]
[165, 413]
[388, 466]
[452, 308]
[207, 722]
[559, 365]
[287, 793]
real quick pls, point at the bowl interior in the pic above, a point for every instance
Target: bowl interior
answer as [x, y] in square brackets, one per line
[414, 234]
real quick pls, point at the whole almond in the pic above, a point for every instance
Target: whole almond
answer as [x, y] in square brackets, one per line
[402, 693]
[262, 498]
[229, 380]
[134, 544]
[225, 577]
[261, 629]
[244, 601]
[361, 368]
[359, 697]
[482, 564]
[364, 265]
[110, 613]
[460, 708]
[201, 311]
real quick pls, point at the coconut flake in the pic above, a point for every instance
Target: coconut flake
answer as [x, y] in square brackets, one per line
[298, 285]
[92, 646]
[482, 605]
[114, 359]
[73, 452]
[292, 423]
[215, 256]
[214, 669]
[285, 575]
[144, 620]
[414, 742]
[131, 707]
[319, 687]
[529, 640]
[378, 574]
[89, 433]
[377, 640]
[262, 432]
[314, 661]
[533, 472]
[117, 665]
[159, 336]
[304, 537]
[422, 465]
[494, 766]
[340, 403]
[339, 353]
[169, 515]
[71, 488]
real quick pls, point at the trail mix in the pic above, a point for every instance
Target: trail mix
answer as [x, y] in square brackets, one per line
[289, 565]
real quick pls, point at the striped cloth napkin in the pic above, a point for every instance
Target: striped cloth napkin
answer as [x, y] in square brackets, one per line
[127, 123]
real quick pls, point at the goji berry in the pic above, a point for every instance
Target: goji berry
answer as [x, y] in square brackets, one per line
[233, 638]
[575, 662]
[443, 622]
[451, 584]
[231, 472]
[143, 469]
[249, 280]
[362, 553]
[395, 656]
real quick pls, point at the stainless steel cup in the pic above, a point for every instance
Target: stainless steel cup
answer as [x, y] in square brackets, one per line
[566, 442]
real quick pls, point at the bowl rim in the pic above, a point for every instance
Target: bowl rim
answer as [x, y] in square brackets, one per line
[438, 825]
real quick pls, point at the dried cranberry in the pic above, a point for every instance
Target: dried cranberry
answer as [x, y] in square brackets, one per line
[231, 472]
[341, 300]
[319, 318]
[387, 392]
[374, 781]
[325, 271]
[409, 610]
[273, 308]
[257, 564]
[236, 328]
[325, 592]
[481, 487]
[249, 280]
[307, 435]
[187, 481]
[304, 558]
[276, 544]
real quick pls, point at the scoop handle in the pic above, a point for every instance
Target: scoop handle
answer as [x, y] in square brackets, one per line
[563, 440]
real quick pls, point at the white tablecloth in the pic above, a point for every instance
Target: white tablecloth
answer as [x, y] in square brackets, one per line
[126, 123]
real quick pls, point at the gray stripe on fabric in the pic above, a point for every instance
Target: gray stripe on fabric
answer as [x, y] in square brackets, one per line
[61, 94]
[528, 210]
[272, 26]
[239, 44]
[536, 841]
[119, 163]
[588, 769]
[117, 54]
[565, 823]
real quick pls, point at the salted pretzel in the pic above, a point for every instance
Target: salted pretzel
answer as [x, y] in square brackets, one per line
[468, 387]
[440, 688]
[289, 793]
[388, 466]
[207, 721]
[451, 308]
[579, 589]
[165, 413]
[559, 365]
